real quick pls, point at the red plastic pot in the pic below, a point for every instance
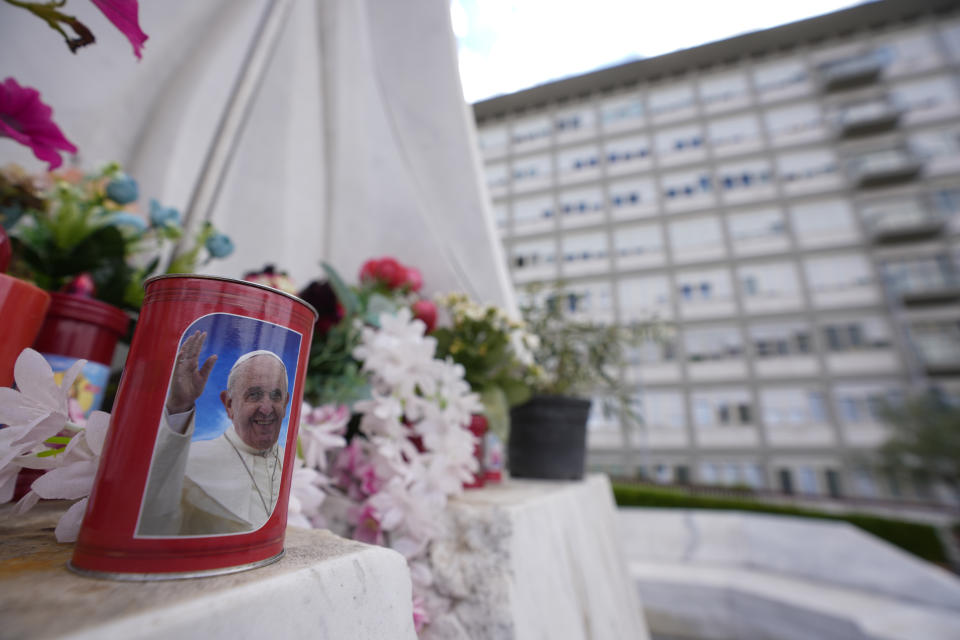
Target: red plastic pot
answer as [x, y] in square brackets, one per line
[22, 309]
[80, 327]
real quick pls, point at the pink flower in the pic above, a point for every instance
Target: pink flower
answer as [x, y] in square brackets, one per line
[123, 15]
[420, 616]
[29, 121]
[368, 526]
[414, 279]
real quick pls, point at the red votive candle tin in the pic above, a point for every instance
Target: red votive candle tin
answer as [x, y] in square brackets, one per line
[197, 465]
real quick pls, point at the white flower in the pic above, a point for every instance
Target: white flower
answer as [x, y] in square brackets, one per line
[74, 476]
[306, 496]
[37, 412]
[321, 430]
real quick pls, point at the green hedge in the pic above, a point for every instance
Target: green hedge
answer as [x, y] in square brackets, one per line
[918, 539]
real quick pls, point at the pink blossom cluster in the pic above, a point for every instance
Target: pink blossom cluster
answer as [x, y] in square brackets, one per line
[391, 484]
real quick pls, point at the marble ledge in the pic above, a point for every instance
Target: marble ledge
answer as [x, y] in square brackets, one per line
[324, 587]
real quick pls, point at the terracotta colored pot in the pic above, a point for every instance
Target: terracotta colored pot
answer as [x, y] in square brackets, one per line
[22, 309]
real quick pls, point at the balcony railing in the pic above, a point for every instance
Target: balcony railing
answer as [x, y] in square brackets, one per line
[851, 72]
[930, 290]
[908, 221]
[868, 118]
[884, 167]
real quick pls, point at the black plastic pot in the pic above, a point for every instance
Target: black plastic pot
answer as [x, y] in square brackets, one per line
[548, 438]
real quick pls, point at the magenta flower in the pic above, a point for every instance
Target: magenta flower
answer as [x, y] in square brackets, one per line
[26, 119]
[123, 15]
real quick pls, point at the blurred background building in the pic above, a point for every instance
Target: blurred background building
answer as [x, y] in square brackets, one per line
[786, 202]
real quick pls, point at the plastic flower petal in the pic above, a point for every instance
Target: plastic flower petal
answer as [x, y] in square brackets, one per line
[68, 527]
[219, 245]
[322, 431]
[129, 220]
[26, 119]
[123, 15]
[161, 216]
[123, 189]
[38, 411]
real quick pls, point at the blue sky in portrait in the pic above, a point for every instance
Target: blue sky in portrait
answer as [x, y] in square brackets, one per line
[508, 45]
[230, 336]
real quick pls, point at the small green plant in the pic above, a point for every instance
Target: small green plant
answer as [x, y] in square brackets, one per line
[81, 233]
[581, 357]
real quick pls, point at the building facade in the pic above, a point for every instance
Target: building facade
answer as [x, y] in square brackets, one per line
[787, 204]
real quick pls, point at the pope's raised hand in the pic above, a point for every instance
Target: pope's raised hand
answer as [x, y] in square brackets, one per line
[189, 378]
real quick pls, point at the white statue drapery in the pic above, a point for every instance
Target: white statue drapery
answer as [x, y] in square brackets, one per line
[308, 131]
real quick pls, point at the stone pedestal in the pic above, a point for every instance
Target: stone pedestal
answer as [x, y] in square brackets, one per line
[325, 587]
[534, 559]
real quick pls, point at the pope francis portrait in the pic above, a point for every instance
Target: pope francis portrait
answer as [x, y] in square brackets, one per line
[229, 484]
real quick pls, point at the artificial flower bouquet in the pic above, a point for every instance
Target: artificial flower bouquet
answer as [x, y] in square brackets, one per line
[83, 234]
[496, 352]
[385, 445]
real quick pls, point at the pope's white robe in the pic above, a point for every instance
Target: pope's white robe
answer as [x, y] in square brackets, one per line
[204, 487]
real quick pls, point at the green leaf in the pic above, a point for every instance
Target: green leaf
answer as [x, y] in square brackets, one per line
[346, 296]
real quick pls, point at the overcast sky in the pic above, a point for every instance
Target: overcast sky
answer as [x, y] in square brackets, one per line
[508, 45]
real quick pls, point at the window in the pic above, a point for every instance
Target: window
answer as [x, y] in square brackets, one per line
[671, 103]
[533, 213]
[660, 409]
[859, 334]
[926, 100]
[580, 206]
[530, 130]
[591, 300]
[493, 137]
[578, 159]
[758, 231]
[686, 190]
[532, 254]
[772, 286]
[713, 343]
[805, 171]
[838, 272]
[937, 343]
[861, 404]
[921, 275]
[722, 408]
[582, 247]
[780, 79]
[724, 91]
[683, 144]
[533, 169]
[795, 123]
[696, 239]
[632, 198]
[780, 340]
[824, 222]
[734, 135]
[745, 180]
[643, 298]
[792, 407]
[628, 154]
[705, 293]
[912, 52]
[573, 121]
[622, 112]
[497, 175]
[638, 244]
